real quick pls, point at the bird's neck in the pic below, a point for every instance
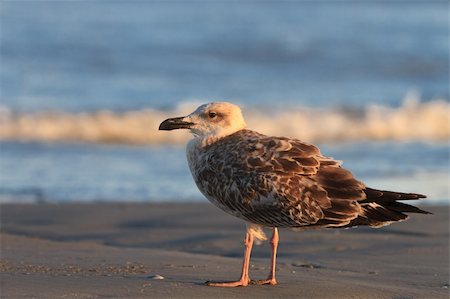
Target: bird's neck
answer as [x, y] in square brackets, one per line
[215, 136]
[203, 138]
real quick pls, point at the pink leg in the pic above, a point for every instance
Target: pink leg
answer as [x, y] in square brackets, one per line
[274, 243]
[245, 279]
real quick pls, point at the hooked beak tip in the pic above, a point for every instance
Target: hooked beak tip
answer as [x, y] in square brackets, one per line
[174, 124]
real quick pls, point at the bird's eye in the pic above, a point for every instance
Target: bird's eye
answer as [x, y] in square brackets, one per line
[212, 114]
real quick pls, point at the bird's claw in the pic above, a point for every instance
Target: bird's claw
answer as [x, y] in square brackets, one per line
[239, 283]
[271, 281]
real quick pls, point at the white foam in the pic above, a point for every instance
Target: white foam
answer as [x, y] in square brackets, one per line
[412, 121]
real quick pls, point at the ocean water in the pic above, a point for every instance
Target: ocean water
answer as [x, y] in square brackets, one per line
[62, 173]
[84, 85]
[126, 55]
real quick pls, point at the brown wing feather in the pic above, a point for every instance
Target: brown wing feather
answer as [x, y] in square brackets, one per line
[271, 179]
[277, 181]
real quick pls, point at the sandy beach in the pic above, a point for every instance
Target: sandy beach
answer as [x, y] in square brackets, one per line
[116, 250]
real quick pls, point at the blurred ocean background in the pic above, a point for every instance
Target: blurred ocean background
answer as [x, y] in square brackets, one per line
[85, 84]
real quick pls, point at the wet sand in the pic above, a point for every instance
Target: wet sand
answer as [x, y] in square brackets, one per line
[116, 250]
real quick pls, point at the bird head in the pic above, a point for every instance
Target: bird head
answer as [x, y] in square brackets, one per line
[216, 120]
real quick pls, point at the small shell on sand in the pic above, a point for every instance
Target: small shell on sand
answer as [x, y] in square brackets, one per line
[157, 276]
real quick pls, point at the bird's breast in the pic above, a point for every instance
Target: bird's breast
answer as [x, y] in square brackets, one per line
[218, 187]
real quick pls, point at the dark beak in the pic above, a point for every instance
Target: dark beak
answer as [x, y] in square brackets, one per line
[175, 123]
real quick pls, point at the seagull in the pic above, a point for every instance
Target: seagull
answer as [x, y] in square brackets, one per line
[277, 182]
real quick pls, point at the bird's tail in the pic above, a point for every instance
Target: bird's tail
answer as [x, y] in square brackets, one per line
[381, 208]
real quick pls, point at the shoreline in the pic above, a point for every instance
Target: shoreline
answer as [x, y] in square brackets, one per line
[89, 250]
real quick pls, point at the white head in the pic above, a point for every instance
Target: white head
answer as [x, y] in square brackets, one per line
[215, 120]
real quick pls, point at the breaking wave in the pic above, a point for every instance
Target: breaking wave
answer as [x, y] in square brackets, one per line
[412, 121]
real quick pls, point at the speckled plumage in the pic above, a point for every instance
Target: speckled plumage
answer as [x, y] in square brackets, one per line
[283, 182]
